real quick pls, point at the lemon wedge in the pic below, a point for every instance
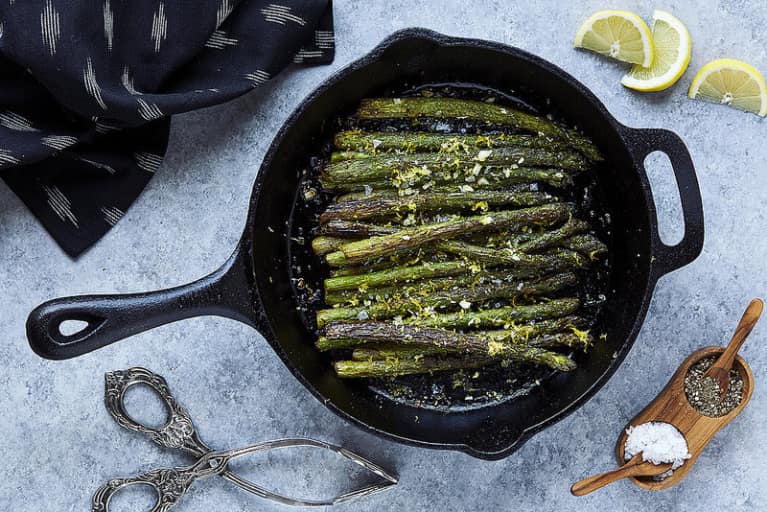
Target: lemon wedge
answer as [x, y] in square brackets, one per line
[673, 47]
[618, 34]
[731, 82]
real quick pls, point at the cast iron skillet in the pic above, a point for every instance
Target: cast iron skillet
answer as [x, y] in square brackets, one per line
[254, 285]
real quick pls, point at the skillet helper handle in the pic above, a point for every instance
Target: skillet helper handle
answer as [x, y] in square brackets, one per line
[110, 318]
[667, 258]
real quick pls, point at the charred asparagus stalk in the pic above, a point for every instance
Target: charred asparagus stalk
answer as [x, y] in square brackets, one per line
[354, 229]
[498, 316]
[368, 143]
[398, 275]
[485, 178]
[404, 239]
[396, 368]
[442, 189]
[555, 237]
[340, 156]
[515, 258]
[588, 245]
[395, 350]
[401, 108]
[380, 207]
[419, 363]
[390, 166]
[339, 335]
[421, 289]
[400, 305]
[477, 111]
[324, 244]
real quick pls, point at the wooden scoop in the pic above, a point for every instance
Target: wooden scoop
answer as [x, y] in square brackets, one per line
[671, 406]
[720, 370]
[635, 467]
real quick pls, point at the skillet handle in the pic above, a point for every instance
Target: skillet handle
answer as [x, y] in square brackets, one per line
[667, 258]
[110, 318]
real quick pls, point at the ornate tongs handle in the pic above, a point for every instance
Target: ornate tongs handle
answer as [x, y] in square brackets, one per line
[169, 484]
[178, 432]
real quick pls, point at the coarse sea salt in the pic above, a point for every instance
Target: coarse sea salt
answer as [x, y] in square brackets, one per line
[659, 442]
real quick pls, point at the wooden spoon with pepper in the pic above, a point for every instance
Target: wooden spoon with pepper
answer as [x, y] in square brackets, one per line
[720, 370]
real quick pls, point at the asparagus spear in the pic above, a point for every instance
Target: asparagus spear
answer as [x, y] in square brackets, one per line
[399, 108]
[345, 228]
[498, 316]
[554, 237]
[514, 258]
[404, 239]
[340, 156]
[396, 350]
[587, 245]
[411, 142]
[413, 108]
[399, 305]
[444, 189]
[424, 288]
[425, 364]
[396, 368]
[339, 335]
[325, 244]
[399, 275]
[360, 170]
[367, 208]
[488, 178]
[389, 262]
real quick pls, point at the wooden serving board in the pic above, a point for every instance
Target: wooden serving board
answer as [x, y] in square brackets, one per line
[671, 406]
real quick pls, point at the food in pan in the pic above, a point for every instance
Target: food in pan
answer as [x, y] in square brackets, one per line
[454, 239]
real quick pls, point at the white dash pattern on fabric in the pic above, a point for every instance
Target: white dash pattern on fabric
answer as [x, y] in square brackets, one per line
[59, 142]
[302, 55]
[159, 27]
[14, 121]
[324, 39]
[50, 26]
[7, 158]
[219, 40]
[280, 14]
[149, 162]
[91, 85]
[103, 127]
[127, 81]
[148, 111]
[109, 24]
[224, 10]
[112, 214]
[257, 77]
[98, 165]
[60, 205]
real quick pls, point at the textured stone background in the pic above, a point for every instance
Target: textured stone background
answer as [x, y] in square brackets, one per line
[58, 443]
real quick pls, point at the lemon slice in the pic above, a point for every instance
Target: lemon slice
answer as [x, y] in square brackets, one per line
[731, 82]
[673, 47]
[621, 35]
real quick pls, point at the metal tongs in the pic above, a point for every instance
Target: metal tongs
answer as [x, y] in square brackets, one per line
[171, 484]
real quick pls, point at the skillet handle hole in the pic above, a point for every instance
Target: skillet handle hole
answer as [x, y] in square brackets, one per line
[72, 327]
[666, 196]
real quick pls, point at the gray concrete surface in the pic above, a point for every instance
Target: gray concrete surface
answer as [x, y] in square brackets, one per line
[58, 443]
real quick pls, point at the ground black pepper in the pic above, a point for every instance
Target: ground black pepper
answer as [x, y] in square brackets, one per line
[703, 394]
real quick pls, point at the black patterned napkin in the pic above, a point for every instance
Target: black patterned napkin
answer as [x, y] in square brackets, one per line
[87, 88]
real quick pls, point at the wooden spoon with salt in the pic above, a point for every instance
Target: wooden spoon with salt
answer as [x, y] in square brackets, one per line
[720, 370]
[636, 466]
